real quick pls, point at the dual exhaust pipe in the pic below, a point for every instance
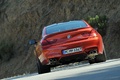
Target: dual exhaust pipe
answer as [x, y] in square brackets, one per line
[92, 51]
[54, 61]
[92, 54]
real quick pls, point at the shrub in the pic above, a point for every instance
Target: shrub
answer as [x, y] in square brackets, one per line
[99, 23]
[6, 50]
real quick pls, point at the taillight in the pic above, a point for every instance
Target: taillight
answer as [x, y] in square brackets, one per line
[86, 34]
[52, 41]
[44, 42]
[93, 33]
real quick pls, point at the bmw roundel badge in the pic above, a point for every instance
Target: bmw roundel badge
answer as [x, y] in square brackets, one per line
[69, 36]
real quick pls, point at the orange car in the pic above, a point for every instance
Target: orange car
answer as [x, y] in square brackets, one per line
[68, 42]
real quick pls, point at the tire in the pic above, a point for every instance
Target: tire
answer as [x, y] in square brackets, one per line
[42, 68]
[101, 57]
[92, 61]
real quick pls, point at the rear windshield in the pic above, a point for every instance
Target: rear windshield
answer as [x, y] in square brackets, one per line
[54, 28]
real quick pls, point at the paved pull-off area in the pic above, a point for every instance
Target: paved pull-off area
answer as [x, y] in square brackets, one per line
[109, 70]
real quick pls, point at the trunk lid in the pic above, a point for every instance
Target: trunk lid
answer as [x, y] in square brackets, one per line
[67, 36]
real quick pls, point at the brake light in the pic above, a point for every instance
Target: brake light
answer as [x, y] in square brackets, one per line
[44, 42]
[93, 33]
[85, 34]
[52, 41]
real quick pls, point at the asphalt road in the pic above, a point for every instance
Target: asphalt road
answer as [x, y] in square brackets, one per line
[109, 70]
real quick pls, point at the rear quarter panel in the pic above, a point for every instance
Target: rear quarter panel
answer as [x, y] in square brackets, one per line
[39, 54]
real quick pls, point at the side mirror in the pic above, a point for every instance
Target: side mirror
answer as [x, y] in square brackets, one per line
[33, 41]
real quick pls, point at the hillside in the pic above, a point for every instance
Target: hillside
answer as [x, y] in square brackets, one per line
[22, 20]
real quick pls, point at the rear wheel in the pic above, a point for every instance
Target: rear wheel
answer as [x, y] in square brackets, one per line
[92, 61]
[42, 68]
[99, 58]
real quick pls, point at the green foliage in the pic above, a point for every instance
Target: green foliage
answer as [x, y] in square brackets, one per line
[6, 50]
[99, 23]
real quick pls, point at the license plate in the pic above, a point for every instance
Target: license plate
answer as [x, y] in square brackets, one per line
[73, 50]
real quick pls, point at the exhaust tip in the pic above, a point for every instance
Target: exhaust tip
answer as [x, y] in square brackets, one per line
[92, 54]
[92, 51]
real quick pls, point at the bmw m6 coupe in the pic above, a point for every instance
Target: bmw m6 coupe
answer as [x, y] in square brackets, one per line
[68, 42]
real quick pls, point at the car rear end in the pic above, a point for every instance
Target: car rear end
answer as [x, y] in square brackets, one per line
[69, 42]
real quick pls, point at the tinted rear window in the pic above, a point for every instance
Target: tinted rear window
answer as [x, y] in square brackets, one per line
[54, 28]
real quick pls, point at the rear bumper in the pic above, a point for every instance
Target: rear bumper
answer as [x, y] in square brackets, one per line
[68, 59]
[55, 51]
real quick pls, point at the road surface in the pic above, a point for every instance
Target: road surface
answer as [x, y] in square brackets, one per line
[109, 70]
